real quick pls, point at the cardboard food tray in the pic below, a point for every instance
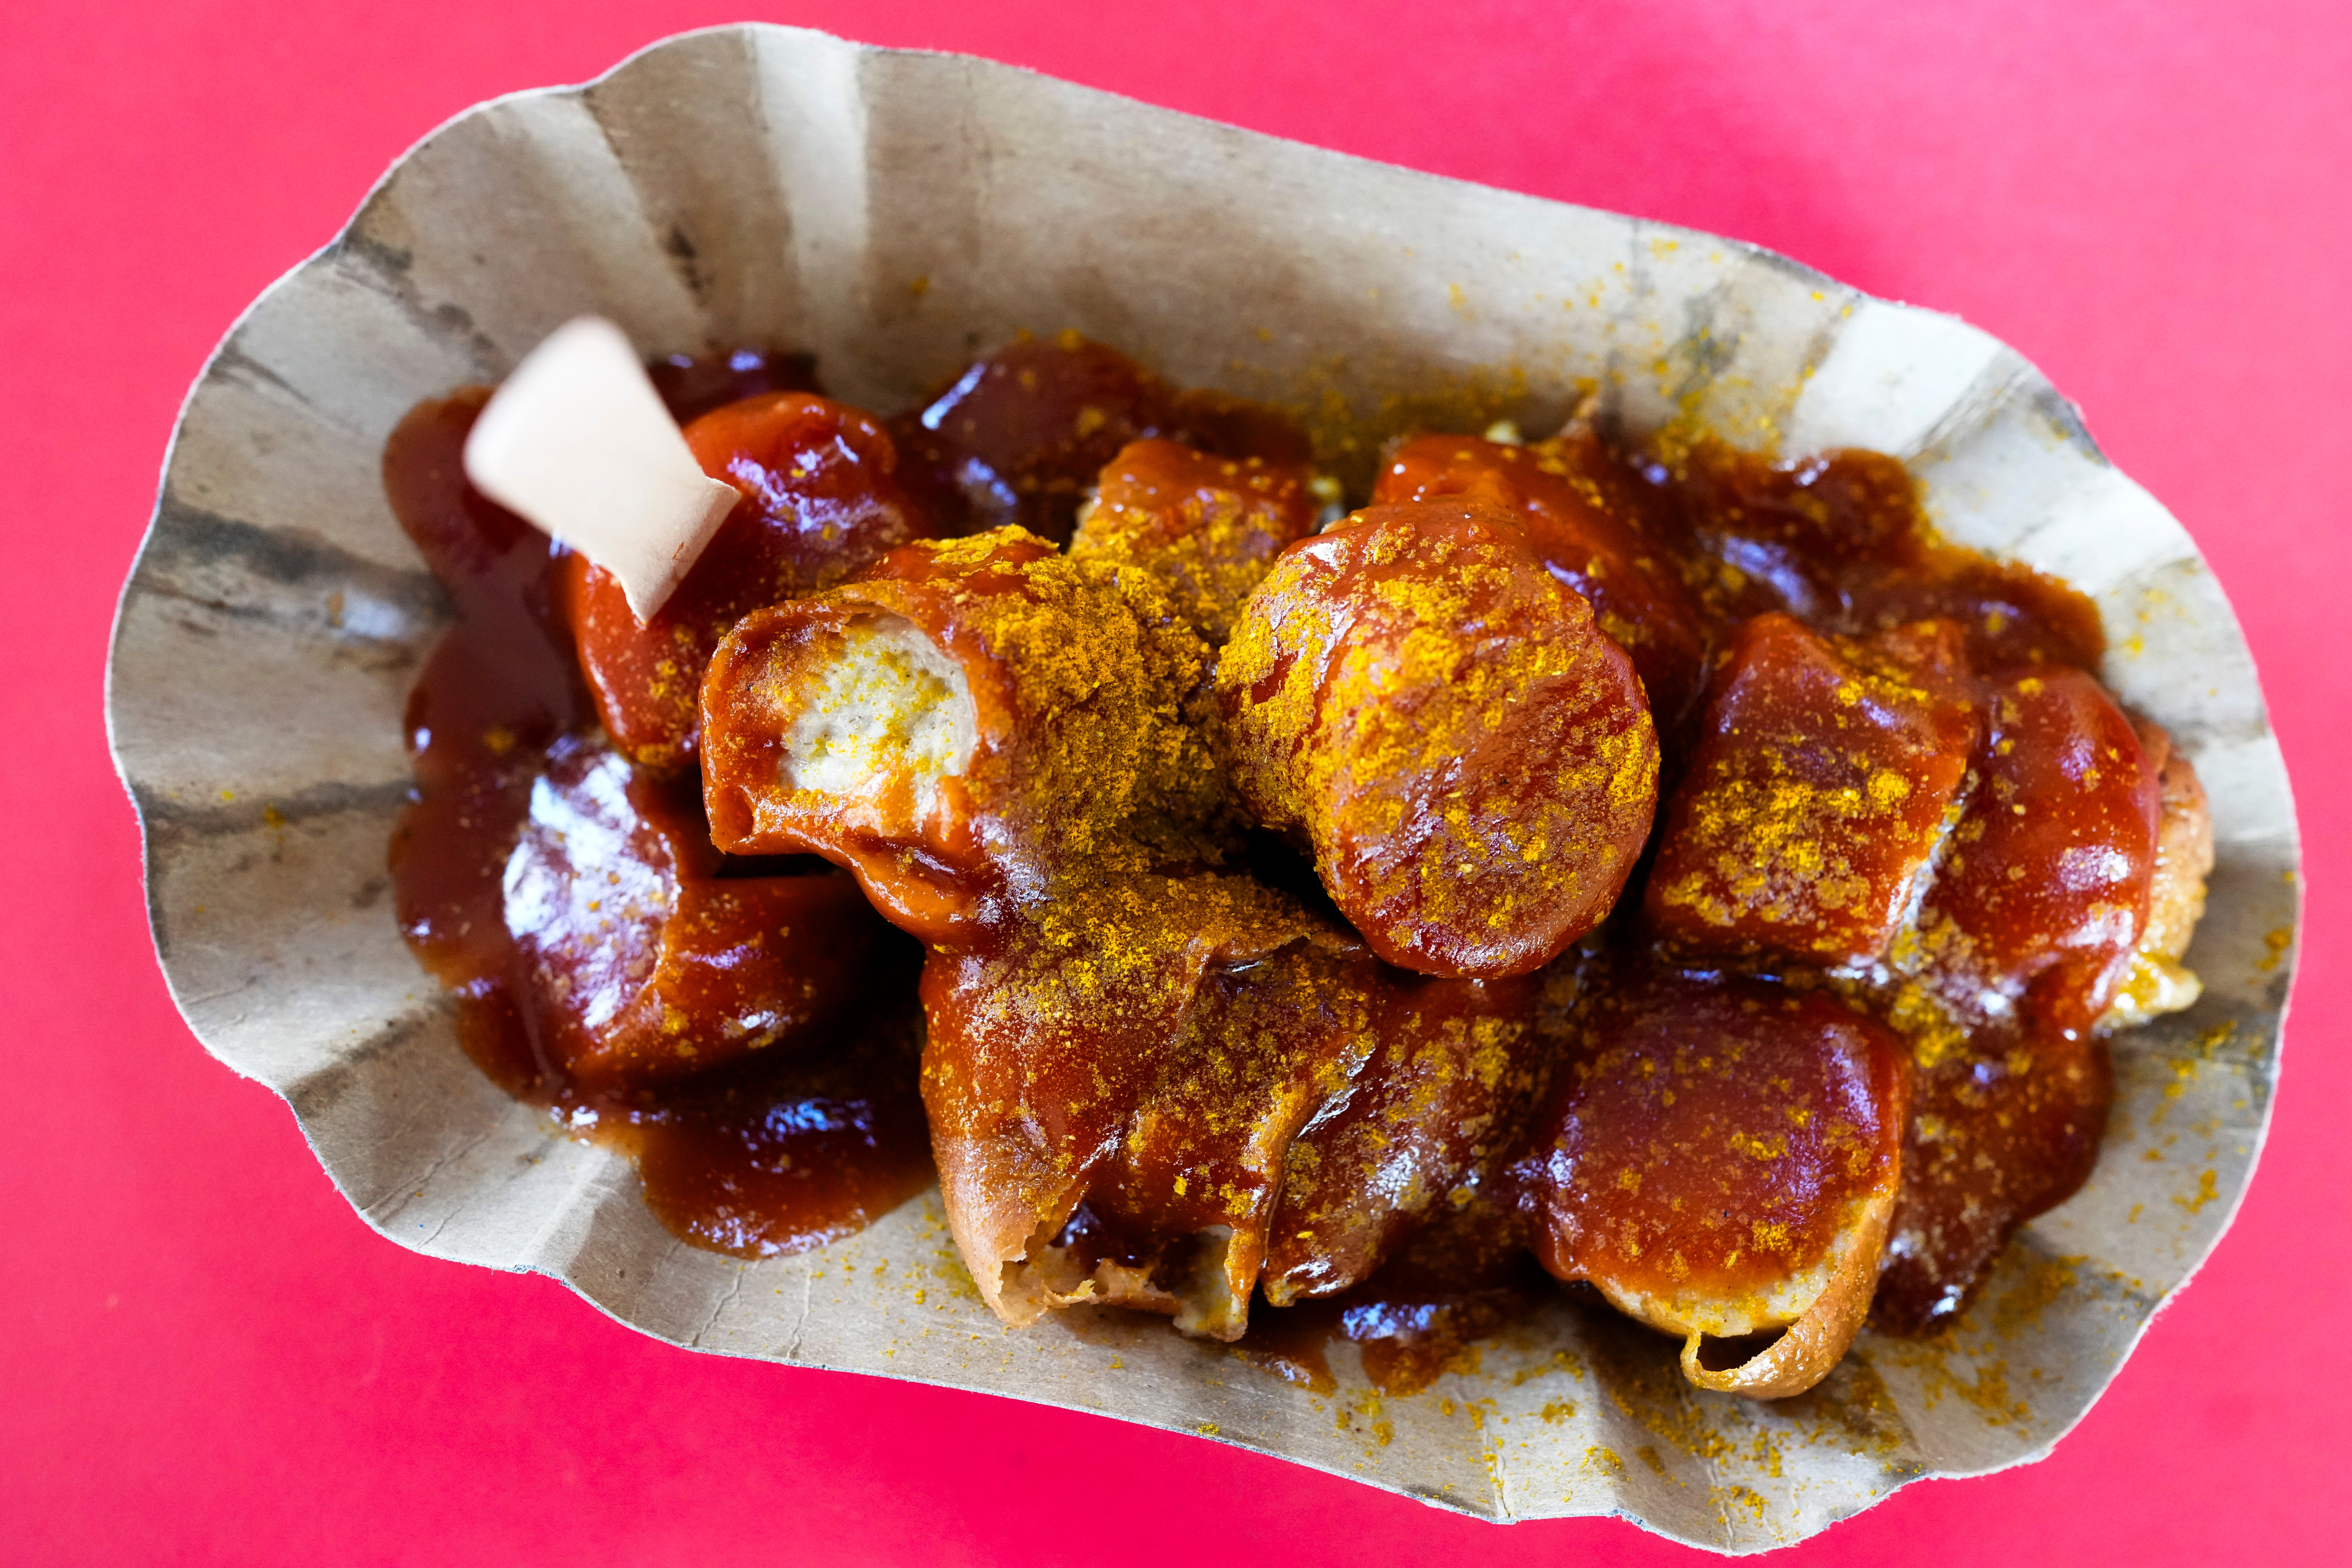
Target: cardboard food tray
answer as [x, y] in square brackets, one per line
[894, 213]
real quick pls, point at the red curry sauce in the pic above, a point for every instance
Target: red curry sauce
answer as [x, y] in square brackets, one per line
[569, 899]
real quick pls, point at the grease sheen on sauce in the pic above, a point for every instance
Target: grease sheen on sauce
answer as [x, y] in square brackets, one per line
[763, 1155]
[783, 1152]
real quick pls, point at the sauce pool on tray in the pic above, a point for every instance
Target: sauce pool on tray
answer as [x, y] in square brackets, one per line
[1667, 867]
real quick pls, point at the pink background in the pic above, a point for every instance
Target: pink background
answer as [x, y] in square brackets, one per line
[206, 1356]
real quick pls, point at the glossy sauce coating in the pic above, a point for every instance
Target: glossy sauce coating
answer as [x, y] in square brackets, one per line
[1471, 759]
[813, 1134]
[1020, 437]
[642, 962]
[1709, 1142]
[1081, 763]
[1215, 1121]
[1836, 538]
[1817, 791]
[2023, 938]
[1125, 1055]
[1205, 1156]
[1205, 528]
[1052, 1040]
[2006, 1117]
[819, 502]
[495, 691]
[1460, 1275]
[691, 385]
[2005, 1124]
[1442, 1100]
[1584, 519]
[2043, 896]
[1151, 1078]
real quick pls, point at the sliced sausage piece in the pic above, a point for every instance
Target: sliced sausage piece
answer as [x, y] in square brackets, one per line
[820, 501]
[1453, 1078]
[1151, 1049]
[1205, 1091]
[2043, 895]
[2157, 982]
[1574, 506]
[1207, 528]
[2006, 1123]
[1469, 756]
[1720, 1159]
[642, 964]
[974, 720]
[1816, 794]
[1182, 1212]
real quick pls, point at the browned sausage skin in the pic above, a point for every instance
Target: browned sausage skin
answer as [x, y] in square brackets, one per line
[1817, 792]
[1206, 528]
[1721, 1158]
[1926, 860]
[1126, 1041]
[820, 500]
[1469, 757]
[1582, 520]
[974, 720]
